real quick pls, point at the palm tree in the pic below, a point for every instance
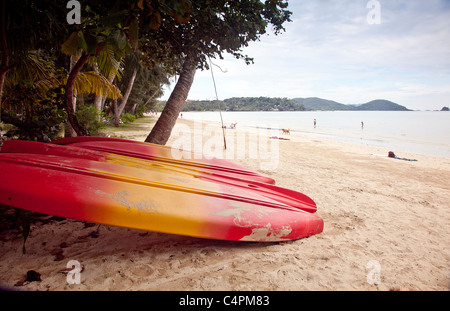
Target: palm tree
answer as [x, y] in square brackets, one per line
[104, 51]
[35, 73]
[28, 26]
[132, 66]
[36, 67]
[209, 29]
[147, 88]
[163, 127]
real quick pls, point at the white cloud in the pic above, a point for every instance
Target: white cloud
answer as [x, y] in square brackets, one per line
[330, 51]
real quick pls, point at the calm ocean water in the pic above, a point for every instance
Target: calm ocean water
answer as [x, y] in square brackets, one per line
[426, 132]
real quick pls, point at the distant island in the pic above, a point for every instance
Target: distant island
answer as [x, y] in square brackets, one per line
[315, 103]
[285, 104]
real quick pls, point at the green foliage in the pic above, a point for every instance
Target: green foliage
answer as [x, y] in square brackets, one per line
[89, 117]
[31, 67]
[147, 86]
[163, 33]
[213, 28]
[262, 103]
[102, 37]
[315, 103]
[127, 117]
[35, 116]
[34, 25]
[142, 109]
[94, 83]
[245, 104]
[381, 105]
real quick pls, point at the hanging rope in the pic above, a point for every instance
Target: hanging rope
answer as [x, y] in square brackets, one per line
[218, 103]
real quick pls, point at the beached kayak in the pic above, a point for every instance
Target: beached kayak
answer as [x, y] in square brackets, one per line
[113, 189]
[165, 154]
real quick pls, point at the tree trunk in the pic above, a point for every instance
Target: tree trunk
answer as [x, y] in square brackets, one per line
[4, 67]
[79, 129]
[133, 109]
[163, 128]
[68, 129]
[118, 109]
[98, 99]
[116, 117]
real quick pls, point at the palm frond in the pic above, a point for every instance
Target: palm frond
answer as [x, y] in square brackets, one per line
[44, 85]
[30, 67]
[108, 64]
[73, 44]
[94, 83]
[85, 83]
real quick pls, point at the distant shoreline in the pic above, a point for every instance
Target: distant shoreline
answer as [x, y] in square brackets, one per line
[285, 104]
[300, 110]
[390, 129]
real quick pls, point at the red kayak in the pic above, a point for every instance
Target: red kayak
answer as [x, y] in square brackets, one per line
[111, 188]
[165, 154]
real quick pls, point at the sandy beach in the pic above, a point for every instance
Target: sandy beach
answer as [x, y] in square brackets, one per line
[386, 227]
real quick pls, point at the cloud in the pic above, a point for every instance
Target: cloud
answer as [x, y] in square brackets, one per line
[330, 50]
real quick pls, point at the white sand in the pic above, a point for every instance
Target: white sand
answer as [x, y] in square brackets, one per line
[383, 217]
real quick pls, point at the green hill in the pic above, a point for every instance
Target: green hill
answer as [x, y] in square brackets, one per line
[315, 103]
[283, 104]
[245, 104]
[381, 105]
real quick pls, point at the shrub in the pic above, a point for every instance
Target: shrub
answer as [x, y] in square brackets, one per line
[89, 117]
[127, 117]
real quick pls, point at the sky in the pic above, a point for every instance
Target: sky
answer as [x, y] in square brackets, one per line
[348, 51]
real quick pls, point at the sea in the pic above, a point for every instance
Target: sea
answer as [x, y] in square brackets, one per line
[424, 132]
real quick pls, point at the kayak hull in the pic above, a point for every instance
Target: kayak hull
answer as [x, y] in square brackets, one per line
[93, 186]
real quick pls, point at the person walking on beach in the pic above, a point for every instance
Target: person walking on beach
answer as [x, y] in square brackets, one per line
[362, 124]
[314, 123]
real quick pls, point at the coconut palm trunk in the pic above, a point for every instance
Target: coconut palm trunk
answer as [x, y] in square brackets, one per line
[78, 128]
[98, 100]
[119, 109]
[163, 128]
